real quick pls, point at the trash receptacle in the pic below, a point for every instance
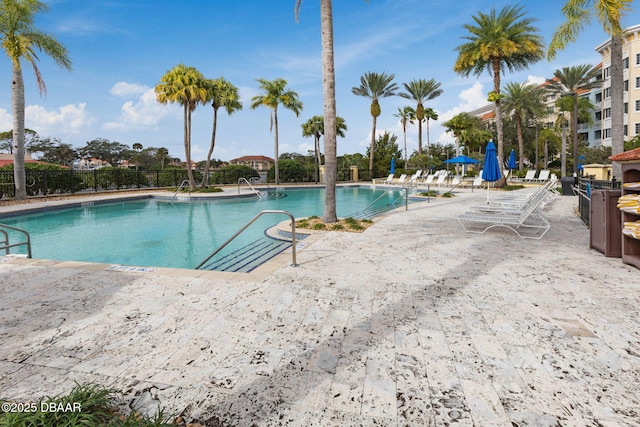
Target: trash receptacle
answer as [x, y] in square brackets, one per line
[567, 182]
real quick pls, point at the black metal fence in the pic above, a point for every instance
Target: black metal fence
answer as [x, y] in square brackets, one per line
[48, 182]
[584, 187]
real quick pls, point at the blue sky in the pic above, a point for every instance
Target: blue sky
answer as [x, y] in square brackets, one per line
[121, 48]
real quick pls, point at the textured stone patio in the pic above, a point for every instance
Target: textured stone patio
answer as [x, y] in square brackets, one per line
[411, 323]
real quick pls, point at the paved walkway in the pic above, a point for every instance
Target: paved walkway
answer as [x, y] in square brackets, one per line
[411, 323]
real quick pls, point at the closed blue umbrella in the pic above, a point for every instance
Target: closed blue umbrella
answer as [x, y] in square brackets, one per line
[512, 160]
[491, 170]
[393, 166]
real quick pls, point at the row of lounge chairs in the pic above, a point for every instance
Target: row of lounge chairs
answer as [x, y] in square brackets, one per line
[531, 175]
[522, 214]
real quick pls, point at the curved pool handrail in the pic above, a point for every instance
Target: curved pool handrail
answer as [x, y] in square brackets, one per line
[230, 239]
[240, 180]
[7, 246]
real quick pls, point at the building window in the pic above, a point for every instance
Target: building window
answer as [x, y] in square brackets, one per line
[625, 62]
[598, 115]
[607, 72]
[607, 113]
[626, 130]
[637, 128]
[607, 133]
[626, 107]
[626, 85]
[637, 104]
[607, 93]
[637, 58]
[598, 134]
[599, 97]
[637, 82]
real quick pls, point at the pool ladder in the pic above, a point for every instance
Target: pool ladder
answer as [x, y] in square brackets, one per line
[241, 180]
[6, 246]
[230, 239]
[182, 184]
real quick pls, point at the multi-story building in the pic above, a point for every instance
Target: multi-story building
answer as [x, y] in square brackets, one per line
[631, 61]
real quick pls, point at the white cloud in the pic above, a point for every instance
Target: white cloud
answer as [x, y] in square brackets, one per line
[69, 119]
[142, 112]
[536, 80]
[6, 120]
[124, 89]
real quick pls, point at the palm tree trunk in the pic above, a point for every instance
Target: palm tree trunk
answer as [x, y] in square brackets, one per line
[187, 145]
[275, 145]
[520, 141]
[428, 135]
[617, 102]
[205, 175]
[17, 100]
[496, 90]
[330, 128]
[419, 136]
[373, 144]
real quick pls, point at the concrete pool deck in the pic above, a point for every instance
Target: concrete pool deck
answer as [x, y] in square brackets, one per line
[413, 322]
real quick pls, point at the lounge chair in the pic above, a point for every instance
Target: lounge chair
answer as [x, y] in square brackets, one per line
[402, 179]
[441, 178]
[530, 176]
[477, 182]
[429, 178]
[544, 175]
[389, 179]
[416, 176]
[524, 219]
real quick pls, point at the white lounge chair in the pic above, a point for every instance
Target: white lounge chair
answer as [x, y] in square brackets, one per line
[429, 178]
[402, 179]
[389, 179]
[530, 176]
[477, 182]
[416, 176]
[441, 178]
[544, 175]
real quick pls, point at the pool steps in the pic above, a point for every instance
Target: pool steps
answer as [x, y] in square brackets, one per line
[248, 257]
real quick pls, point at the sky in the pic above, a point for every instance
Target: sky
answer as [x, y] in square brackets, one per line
[121, 48]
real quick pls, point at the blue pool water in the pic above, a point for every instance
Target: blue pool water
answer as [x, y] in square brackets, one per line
[154, 232]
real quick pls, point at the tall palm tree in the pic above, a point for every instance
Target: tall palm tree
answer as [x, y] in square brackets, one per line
[406, 115]
[185, 86]
[582, 112]
[162, 154]
[578, 14]
[374, 86]
[220, 93]
[568, 81]
[523, 100]
[21, 40]
[275, 94]
[315, 127]
[421, 90]
[498, 40]
[138, 148]
[429, 114]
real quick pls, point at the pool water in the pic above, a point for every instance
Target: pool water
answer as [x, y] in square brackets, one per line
[155, 232]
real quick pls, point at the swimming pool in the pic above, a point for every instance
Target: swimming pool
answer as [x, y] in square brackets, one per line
[156, 233]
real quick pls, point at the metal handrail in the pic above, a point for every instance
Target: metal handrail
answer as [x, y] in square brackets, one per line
[254, 180]
[186, 181]
[240, 180]
[381, 196]
[293, 236]
[8, 246]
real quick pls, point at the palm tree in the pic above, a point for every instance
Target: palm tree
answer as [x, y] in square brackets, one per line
[185, 86]
[276, 93]
[138, 148]
[374, 86]
[406, 115]
[162, 154]
[581, 111]
[609, 13]
[329, 95]
[21, 40]
[568, 81]
[523, 100]
[315, 127]
[220, 93]
[429, 114]
[421, 90]
[498, 40]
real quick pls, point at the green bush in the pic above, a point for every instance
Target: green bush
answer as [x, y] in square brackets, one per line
[231, 174]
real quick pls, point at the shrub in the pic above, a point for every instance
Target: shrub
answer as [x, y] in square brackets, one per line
[231, 174]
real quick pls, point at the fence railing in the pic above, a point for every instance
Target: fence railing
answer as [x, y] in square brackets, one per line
[49, 182]
[585, 186]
